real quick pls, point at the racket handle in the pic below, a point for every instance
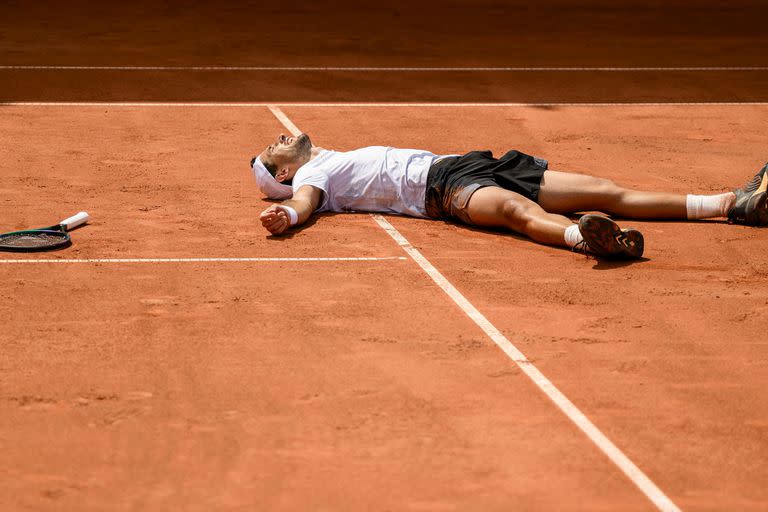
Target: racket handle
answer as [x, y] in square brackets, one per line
[74, 221]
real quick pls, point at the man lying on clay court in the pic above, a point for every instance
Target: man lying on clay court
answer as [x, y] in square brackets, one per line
[516, 191]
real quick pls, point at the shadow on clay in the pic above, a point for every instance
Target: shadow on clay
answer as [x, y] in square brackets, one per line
[600, 263]
[298, 229]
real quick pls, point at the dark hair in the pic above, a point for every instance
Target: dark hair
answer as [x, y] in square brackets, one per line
[272, 168]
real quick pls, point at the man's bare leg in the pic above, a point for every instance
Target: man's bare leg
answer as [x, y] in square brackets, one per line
[563, 192]
[498, 207]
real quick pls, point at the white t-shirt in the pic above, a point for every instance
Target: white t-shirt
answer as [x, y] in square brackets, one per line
[372, 179]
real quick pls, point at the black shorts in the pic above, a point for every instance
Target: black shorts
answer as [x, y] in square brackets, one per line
[452, 180]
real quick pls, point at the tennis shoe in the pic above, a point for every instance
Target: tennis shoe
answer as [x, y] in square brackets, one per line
[603, 237]
[751, 207]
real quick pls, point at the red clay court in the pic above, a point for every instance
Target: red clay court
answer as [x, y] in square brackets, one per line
[178, 358]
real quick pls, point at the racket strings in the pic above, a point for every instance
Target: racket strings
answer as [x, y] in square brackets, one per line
[32, 240]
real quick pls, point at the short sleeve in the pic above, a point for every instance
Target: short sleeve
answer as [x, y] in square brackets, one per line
[315, 178]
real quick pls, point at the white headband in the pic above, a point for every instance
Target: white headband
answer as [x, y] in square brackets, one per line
[268, 185]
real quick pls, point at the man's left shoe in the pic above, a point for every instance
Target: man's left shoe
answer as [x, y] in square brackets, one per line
[751, 207]
[605, 238]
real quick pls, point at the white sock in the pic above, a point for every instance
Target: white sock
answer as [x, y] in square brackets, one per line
[573, 235]
[704, 207]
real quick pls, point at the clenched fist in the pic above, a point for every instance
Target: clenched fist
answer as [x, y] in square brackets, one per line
[275, 219]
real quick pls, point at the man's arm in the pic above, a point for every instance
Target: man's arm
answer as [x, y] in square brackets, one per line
[276, 219]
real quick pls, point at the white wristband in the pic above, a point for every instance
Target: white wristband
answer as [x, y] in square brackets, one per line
[293, 217]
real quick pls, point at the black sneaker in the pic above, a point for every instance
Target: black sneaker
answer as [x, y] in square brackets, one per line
[603, 237]
[751, 208]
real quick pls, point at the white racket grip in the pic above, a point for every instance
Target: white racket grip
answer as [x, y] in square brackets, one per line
[74, 221]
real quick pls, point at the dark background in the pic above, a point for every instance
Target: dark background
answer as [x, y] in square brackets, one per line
[430, 34]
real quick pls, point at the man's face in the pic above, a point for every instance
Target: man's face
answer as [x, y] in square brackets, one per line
[287, 153]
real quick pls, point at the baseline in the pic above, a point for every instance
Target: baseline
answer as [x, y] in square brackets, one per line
[368, 104]
[194, 260]
[405, 69]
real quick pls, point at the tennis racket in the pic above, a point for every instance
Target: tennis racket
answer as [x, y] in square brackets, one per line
[42, 239]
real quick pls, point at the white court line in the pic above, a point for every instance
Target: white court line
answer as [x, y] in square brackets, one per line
[281, 117]
[562, 402]
[635, 474]
[284, 119]
[395, 69]
[193, 260]
[141, 104]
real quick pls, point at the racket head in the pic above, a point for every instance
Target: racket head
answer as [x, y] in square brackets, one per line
[34, 240]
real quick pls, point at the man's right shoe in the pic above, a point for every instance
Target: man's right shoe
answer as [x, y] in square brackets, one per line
[751, 207]
[605, 238]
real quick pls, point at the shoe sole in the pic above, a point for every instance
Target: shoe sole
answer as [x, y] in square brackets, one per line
[607, 239]
[756, 212]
